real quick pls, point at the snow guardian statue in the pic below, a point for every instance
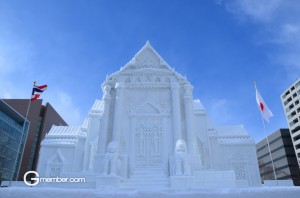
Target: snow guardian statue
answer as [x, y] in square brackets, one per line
[182, 162]
[148, 131]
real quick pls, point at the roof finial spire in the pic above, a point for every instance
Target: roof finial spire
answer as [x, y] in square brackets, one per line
[147, 42]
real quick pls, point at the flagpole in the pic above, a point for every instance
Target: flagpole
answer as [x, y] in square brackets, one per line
[266, 133]
[24, 127]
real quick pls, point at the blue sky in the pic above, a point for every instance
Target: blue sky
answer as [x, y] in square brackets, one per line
[222, 46]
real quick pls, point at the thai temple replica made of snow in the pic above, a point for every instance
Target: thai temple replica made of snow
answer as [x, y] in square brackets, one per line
[147, 131]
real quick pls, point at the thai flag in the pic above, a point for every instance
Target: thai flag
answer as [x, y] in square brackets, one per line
[36, 91]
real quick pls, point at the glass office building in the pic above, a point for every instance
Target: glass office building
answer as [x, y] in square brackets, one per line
[41, 118]
[283, 154]
[291, 103]
[13, 132]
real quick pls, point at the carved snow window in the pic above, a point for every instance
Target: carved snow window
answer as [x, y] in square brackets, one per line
[55, 164]
[55, 171]
[240, 172]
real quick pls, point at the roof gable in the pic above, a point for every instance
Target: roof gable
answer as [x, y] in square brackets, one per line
[147, 57]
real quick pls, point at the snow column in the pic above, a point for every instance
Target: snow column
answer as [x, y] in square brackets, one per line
[90, 144]
[118, 109]
[103, 137]
[176, 111]
[189, 117]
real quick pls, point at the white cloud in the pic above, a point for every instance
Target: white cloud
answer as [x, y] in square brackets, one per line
[17, 66]
[279, 25]
[258, 10]
[291, 31]
[220, 110]
[10, 89]
[63, 104]
[7, 95]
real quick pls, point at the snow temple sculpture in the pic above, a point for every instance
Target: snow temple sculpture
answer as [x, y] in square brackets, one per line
[147, 131]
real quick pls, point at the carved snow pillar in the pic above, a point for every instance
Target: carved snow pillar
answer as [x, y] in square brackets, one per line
[118, 109]
[105, 119]
[189, 118]
[176, 111]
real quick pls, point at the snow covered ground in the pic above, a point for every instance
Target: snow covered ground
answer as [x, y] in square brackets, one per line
[263, 192]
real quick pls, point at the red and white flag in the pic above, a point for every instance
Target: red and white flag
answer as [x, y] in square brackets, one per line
[264, 109]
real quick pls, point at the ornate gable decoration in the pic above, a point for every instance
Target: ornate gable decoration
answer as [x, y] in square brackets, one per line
[147, 57]
[148, 109]
[57, 158]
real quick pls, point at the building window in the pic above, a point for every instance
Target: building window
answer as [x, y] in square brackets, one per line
[293, 114]
[294, 122]
[12, 138]
[287, 93]
[275, 140]
[288, 100]
[295, 129]
[272, 151]
[296, 138]
[292, 88]
[297, 84]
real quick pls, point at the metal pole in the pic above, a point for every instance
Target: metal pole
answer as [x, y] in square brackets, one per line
[269, 150]
[19, 147]
[28, 109]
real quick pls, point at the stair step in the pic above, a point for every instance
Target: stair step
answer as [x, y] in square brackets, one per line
[143, 179]
[147, 177]
[149, 174]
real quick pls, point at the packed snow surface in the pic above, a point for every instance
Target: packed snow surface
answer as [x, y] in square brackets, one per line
[263, 192]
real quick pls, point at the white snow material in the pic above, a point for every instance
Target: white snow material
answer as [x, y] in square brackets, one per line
[232, 131]
[63, 131]
[140, 60]
[63, 135]
[198, 106]
[265, 192]
[84, 126]
[145, 109]
[97, 107]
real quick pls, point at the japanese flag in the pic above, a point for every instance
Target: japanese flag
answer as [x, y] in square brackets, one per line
[264, 109]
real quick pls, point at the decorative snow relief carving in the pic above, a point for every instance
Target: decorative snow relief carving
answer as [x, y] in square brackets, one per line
[181, 157]
[111, 159]
[148, 141]
[149, 115]
[147, 59]
[55, 164]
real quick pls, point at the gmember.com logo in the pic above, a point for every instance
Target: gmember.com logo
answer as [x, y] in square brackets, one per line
[35, 180]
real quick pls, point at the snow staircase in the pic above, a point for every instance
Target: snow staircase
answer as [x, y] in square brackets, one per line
[147, 177]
